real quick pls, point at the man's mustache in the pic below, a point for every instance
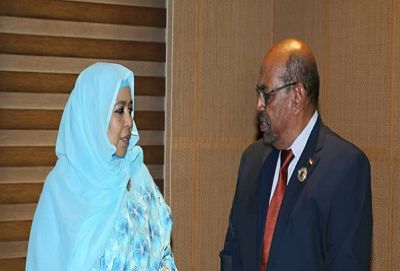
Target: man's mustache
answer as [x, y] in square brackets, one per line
[262, 116]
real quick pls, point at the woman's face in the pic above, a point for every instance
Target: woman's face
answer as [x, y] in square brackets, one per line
[120, 128]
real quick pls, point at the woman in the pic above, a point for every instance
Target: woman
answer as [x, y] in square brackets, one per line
[99, 208]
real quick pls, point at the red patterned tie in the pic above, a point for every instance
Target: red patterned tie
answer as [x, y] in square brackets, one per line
[275, 204]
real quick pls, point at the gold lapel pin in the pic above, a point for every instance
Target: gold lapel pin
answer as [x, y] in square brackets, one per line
[302, 174]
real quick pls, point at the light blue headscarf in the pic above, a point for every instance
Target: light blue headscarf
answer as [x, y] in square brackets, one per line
[82, 195]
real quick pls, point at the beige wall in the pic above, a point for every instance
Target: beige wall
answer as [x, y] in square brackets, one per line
[214, 51]
[357, 46]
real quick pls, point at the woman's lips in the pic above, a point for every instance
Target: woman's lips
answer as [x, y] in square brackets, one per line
[125, 139]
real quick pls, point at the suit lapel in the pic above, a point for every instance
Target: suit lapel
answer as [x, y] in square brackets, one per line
[308, 161]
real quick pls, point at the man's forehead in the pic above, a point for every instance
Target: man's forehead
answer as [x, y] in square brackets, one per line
[269, 78]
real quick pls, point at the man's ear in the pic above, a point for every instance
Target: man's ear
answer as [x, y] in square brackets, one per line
[300, 96]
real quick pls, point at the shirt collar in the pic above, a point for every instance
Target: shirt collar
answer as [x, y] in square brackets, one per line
[300, 142]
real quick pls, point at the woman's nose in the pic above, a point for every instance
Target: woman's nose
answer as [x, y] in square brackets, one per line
[128, 120]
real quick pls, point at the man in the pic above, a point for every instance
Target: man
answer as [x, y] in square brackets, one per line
[303, 195]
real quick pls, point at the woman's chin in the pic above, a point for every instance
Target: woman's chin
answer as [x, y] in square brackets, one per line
[120, 153]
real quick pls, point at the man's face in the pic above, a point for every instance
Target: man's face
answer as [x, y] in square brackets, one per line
[273, 113]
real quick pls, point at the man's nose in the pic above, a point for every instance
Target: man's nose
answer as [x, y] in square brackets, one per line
[260, 105]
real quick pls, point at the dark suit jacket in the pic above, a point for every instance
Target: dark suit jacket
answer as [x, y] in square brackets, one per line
[325, 222]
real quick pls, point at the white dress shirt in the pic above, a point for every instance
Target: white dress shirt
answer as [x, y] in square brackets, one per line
[297, 148]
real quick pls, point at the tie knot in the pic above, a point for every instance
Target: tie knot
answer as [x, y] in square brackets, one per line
[286, 157]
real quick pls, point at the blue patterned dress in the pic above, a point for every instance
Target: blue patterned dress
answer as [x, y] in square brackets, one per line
[141, 236]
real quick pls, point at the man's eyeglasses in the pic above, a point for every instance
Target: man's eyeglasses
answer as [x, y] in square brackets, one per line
[267, 95]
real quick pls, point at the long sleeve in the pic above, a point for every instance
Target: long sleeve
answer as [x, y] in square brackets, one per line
[350, 223]
[230, 254]
[240, 247]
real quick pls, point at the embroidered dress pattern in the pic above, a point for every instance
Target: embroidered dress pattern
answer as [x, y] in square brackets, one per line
[140, 237]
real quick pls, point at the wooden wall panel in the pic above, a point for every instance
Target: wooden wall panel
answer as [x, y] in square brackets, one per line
[64, 83]
[36, 138]
[50, 119]
[79, 47]
[142, 3]
[53, 28]
[16, 212]
[17, 175]
[16, 264]
[84, 12]
[57, 64]
[15, 230]
[45, 156]
[36, 82]
[44, 45]
[20, 193]
[57, 101]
